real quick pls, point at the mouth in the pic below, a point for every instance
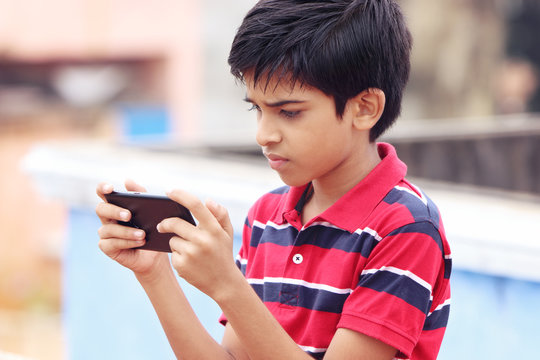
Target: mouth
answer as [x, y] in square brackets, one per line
[276, 162]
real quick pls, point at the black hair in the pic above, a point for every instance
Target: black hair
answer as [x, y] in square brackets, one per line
[337, 46]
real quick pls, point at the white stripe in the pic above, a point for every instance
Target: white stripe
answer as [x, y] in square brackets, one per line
[312, 349]
[325, 224]
[241, 260]
[358, 231]
[446, 303]
[397, 271]
[420, 197]
[369, 231]
[271, 224]
[299, 282]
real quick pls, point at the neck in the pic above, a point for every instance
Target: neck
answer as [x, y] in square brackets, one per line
[328, 190]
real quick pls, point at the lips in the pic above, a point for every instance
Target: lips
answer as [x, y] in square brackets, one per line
[276, 162]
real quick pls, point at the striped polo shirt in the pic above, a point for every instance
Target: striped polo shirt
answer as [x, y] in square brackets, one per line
[376, 262]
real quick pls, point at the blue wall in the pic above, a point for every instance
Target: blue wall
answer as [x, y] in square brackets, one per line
[107, 314]
[492, 318]
[144, 123]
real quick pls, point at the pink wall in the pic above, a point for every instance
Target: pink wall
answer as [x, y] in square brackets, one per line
[37, 30]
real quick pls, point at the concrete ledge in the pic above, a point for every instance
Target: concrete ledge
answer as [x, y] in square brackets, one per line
[494, 233]
[490, 232]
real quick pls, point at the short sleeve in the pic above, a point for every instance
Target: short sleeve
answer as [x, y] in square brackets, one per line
[397, 285]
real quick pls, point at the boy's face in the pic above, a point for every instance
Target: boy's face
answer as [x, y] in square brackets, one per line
[299, 131]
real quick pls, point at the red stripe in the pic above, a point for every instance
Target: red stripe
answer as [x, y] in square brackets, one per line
[296, 320]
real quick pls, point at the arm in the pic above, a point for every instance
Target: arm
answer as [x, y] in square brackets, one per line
[154, 272]
[349, 345]
[194, 248]
[259, 334]
[187, 336]
[262, 337]
[252, 331]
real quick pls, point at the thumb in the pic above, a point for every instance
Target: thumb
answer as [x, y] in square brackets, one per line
[133, 186]
[222, 216]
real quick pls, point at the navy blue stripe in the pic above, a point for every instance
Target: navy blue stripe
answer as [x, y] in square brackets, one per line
[317, 356]
[424, 227]
[317, 235]
[301, 296]
[427, 228]
[447, 268]
[332, 238]
[246, 223]
[241, 266]
[438, 319]
[281, 190]
[283, 237]
[433, 211]
[398, 285]
[419, 211]
[256, 234]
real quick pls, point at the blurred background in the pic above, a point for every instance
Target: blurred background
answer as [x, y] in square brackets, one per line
[103, 90]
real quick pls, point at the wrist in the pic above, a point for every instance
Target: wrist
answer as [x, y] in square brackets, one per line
[157, 271]
[229, 289]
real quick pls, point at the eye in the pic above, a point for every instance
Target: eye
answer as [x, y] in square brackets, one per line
[289, 114]
[254, 107]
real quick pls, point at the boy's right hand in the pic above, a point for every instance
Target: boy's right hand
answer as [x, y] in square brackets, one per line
[118, 241]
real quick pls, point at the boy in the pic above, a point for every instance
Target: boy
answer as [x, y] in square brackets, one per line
[349, 259]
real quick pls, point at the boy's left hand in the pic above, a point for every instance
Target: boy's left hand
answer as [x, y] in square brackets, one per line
[202, 254]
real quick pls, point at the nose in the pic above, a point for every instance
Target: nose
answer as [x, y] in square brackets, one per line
[267, 131]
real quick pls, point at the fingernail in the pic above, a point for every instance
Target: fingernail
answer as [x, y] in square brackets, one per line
[124, 215]
[139, 233]
[107, 188]
[158, 227]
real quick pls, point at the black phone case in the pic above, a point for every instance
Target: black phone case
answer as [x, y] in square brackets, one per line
[146, 212]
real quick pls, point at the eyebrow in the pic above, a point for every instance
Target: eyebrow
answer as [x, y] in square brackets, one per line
[277, 103]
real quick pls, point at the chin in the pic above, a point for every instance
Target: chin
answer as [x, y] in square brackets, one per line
[294, 181]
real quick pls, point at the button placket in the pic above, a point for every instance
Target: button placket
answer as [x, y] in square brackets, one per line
[289, 293]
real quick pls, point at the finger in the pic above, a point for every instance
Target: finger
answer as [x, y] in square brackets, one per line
[108, 213]
[109, 246]
[193, 204]
[222, 216]
[178, 262]
[177, 244]
[176, 226]
[133, 186]
[180, 256]
[121, 232]
[102, 189]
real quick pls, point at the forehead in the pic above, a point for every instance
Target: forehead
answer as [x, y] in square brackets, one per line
[283, 85]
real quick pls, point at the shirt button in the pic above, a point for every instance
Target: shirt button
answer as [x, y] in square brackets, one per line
[297, 259]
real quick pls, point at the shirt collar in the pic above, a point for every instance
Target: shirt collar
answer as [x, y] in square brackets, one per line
[350, 211]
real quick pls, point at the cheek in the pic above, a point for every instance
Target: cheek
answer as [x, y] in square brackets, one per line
[324, 151]
[334, 148]
[330, 138]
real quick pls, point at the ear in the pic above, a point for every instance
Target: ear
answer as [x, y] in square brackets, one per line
[366, 108]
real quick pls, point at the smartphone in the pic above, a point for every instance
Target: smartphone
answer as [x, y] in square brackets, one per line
[146, 212]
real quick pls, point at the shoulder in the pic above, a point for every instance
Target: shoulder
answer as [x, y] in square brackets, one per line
[404, 205]
[407, 218]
